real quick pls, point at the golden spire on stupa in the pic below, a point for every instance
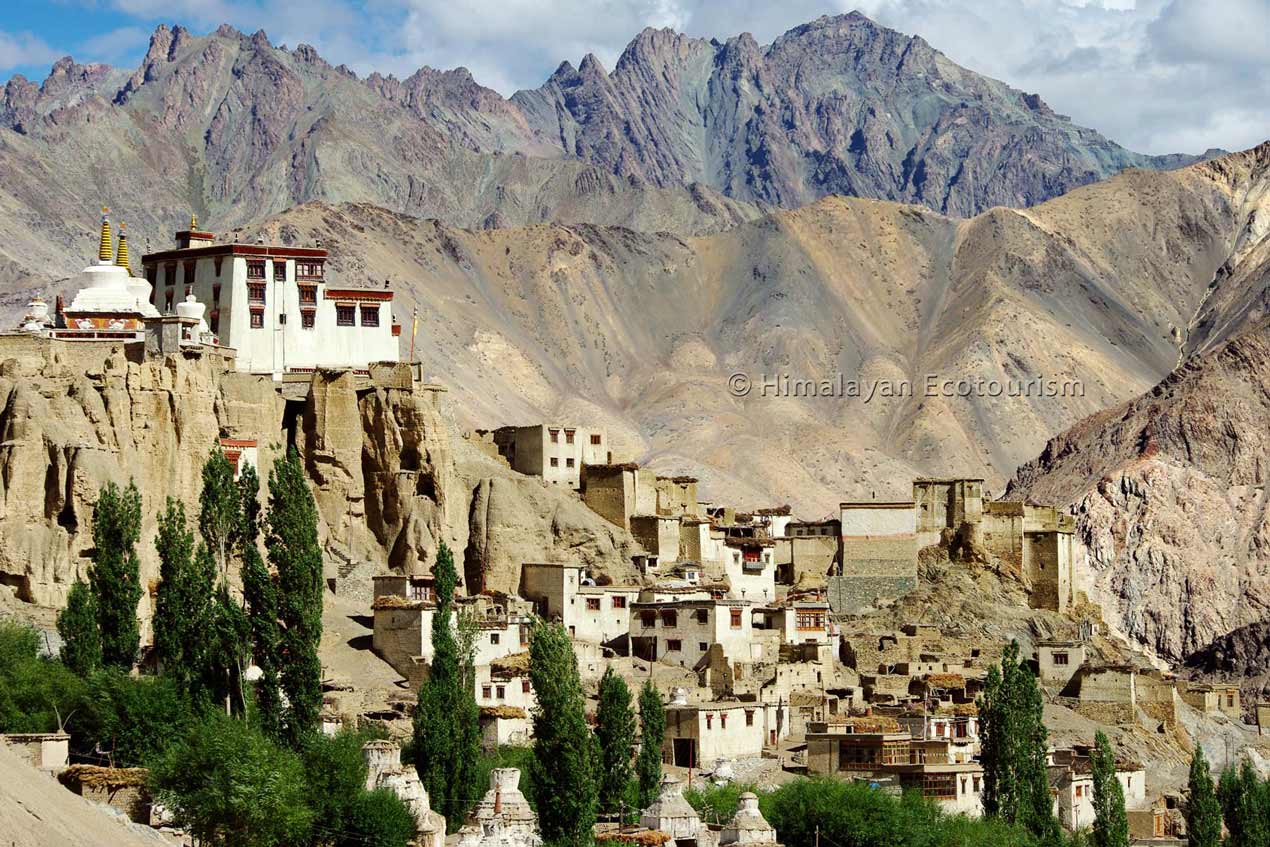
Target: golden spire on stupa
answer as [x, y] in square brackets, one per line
[193, 221]
[121, 258]
[104, 252]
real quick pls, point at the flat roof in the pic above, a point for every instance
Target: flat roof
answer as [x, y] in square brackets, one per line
[263, 251]
[878, 504]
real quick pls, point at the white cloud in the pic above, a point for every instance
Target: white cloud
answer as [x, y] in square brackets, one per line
[20, 49]
[113, 46]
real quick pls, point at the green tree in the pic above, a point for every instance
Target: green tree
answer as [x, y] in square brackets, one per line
[615, 732]
[378, 818]
[115, 576]
[262, 605]
[446, 743]
[563, 766]
[652, 734]
[1111, 824]
[77, 624]
[183, 600]
[1240, 794]
[36, 694]
[220, 510]
[132, 719]
[228, 784]
[294, 553]
[1016, 782]
[1203, 811]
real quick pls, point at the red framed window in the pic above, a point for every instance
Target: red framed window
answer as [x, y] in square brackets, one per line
[619, 602]
[279, 271]
[308, 270]
[307, 319]
[736, 618]
[595, 438]
[674, 645]
[345, 316]
[308, 294]
[593, 604]
[255, 270]
[188, 268]
[256, 293]
[257, 319]
[370, 315]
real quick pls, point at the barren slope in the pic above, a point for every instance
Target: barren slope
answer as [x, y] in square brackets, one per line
[640, 332]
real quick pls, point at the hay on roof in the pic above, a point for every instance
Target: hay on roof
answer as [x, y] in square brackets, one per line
[946, 680]
[95, 776]
[516, 664]
[642, 837]
[504, 712]
[396, 601]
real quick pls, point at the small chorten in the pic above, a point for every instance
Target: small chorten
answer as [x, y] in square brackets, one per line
[748, 827]
[671, 813]
[121, 257]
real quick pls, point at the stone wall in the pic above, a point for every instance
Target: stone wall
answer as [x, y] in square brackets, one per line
[853, 595]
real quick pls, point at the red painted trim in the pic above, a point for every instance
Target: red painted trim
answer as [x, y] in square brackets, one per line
[258, 250]
[238, 442]
[358, 294]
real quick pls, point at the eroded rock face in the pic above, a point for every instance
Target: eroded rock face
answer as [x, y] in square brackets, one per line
[67, 429]
[1170, 498]
[378, 450]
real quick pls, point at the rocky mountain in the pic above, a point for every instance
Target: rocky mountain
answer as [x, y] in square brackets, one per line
[840, 105]
[1169, 493]
[684, 135]
[640, 332]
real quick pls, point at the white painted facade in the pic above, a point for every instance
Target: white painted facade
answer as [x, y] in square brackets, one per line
[274, 305]
[682, 632]
[751, 571]
[877, 520]
[713, 732]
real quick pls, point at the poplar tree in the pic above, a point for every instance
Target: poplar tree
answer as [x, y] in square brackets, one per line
[115, 576]
[447, 719]
[1111, 824]
[77, 624]
[1013, 750]
[615, 732]
[1203, 811]
[652, 734]
[1239, 793]
[262, 605]
[563, 765]
[220, 510]
[294, 553]
[182, 601]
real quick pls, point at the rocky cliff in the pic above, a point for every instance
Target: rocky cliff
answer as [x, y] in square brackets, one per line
[390, 479]
[685, 135]
[1169, 493]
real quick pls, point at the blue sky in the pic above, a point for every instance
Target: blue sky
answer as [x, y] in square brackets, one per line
[1155, 75]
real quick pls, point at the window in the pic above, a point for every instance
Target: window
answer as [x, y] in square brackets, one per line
[168, 303]
[555, 435]
[345, 316]
[169, 274]
[308, 294]
[1230, 700]
[702, 646]
[524, 637]
[279, 271]
[255, 270]
[723, 720]
[493, 638]
[215, 321]
[188, 270]
[595, 438]
[619, 602]
[568, 436]
[216, 263]
[555, 463]
[257, 319]
[1060, 658]
[216, 294]
[568, 463]
[308, 270]
[736, 618]
[524, 686]
[152, 274]
[674, 645]
[709, 721]
[501, 692]
[749, 717]
[256, 293]
[486, 691]
[648, 619]
[307, 319]
[1080, 791]
[593, 604]
[370, 316]
[702, 616]
[669, 617]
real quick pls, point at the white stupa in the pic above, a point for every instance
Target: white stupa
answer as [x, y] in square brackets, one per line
[110, 301]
